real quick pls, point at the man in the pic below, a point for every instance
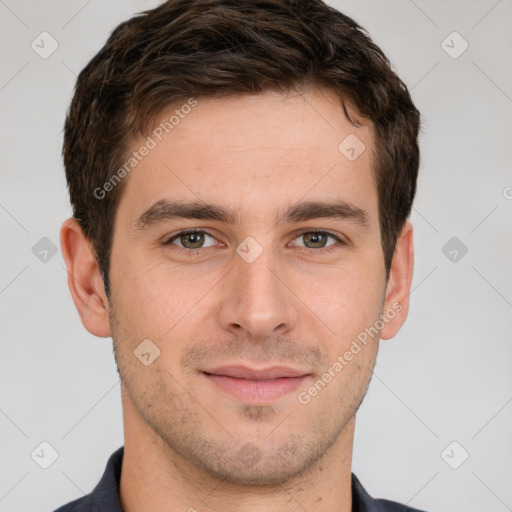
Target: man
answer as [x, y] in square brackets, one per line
[241, 174]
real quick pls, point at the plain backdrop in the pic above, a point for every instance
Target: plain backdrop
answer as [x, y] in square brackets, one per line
[435, 429]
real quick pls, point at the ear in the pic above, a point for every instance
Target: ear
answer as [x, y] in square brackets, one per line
[84, 279]
[396, 302]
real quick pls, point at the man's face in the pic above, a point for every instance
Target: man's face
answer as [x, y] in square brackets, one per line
[263, 291]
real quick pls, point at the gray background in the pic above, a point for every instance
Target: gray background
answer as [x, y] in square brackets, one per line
[446, 376]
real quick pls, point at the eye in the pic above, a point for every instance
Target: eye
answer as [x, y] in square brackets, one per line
[194, 239]
[318, 239]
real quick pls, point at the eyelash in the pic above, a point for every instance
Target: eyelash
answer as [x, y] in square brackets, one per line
[192, 252]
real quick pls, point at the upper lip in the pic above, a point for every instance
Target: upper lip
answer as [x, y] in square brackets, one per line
[243, 372]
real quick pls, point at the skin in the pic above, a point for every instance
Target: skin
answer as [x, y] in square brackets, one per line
[294, 305]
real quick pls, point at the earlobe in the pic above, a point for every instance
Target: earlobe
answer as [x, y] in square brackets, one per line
[84, 279]
[396, 303]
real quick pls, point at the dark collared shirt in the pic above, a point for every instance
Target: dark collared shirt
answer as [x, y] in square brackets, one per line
[105, 496]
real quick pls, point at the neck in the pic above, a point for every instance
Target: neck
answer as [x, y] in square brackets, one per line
[155, 478]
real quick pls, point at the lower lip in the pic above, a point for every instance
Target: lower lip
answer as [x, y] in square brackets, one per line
[256, 391]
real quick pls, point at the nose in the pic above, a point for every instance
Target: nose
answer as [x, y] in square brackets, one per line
[257, 301]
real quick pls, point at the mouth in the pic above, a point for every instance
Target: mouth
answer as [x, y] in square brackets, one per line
[256, 386]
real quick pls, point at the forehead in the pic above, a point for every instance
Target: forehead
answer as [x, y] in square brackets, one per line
[256, 152]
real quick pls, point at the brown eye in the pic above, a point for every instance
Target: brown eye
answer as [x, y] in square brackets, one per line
[317, 239]
[190, 240]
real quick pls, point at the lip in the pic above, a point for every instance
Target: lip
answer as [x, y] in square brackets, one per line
[243, 372]
[256, 386]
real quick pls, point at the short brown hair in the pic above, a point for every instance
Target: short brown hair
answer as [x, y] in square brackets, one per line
[184, 49]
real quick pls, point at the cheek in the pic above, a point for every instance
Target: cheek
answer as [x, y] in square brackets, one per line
[353, 289]
[155, 299]
[349, 310]
[349, 306]
[139, 294]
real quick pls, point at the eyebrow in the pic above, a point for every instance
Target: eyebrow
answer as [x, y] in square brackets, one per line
[165, 210]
